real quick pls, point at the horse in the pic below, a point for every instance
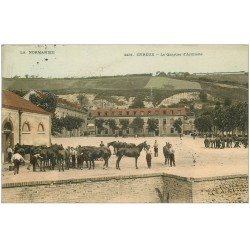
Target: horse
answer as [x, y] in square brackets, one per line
[166, 153]
[94, 153]
[116, 145]
[130, 152]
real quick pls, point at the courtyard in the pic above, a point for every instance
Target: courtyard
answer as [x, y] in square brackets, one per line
[192, 160]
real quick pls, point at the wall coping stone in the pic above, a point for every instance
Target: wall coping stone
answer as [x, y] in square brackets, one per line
[108, 178]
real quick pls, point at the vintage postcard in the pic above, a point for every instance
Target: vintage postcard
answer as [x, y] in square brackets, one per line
[124, 123]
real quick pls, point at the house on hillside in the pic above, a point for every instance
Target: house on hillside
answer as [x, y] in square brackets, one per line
[165, 118]
[23, 123]
[66, 108]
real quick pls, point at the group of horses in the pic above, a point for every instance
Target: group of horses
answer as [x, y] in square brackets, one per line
[56, 155]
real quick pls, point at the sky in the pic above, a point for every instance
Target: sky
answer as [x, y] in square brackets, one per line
[57, 61]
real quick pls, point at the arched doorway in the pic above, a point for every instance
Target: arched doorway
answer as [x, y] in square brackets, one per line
[7, 137]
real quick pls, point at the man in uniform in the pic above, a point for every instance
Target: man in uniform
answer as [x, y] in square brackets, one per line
[156, 148]
[9, 153]
[171, 156]
[17, 159]
[148, 157]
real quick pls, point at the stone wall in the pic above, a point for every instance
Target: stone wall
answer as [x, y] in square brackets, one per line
[221, 189]
[118, 189]
[138, 188]
[177, 189]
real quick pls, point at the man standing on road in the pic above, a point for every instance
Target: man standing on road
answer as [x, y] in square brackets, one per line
[156, 148]
[9, 153]
[148, 157]
[102, 144]
[17, 159]
[171, 156]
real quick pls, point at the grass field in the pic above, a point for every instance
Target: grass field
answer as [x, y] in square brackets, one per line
[170, 83]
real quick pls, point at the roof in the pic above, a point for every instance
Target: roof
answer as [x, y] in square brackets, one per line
[13, 101]
[140, 112]
[62, 102]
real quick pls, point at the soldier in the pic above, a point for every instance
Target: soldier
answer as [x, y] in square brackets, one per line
[17, 159]
[9, 153]
[206, 143]
[156, 148]
[34, 160]
[73, 157]
[223, 142]
[148, 157]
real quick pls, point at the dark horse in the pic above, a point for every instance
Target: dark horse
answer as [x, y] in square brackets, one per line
[91, 154]
[130, 152]
[117, 145]
[166, 153]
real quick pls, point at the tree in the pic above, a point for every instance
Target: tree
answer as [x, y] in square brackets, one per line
[203, 96]
[204, 123]
[83, 100]
[99, 125]
[47, 102]
[177, 125]
[137, 103]
[153, 124]
[227, 102]
[71, 122]
[242, 116]
[56, 125]
[112, 124]
[124, 124]
[137, 124]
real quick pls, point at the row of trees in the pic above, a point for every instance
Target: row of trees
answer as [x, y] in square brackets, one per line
[227, 118]
[137, 124]
[48, 102]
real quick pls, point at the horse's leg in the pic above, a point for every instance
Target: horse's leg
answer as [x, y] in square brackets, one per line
[136, 158]
[118, 162]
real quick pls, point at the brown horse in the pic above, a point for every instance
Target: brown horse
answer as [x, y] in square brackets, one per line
[130, 152]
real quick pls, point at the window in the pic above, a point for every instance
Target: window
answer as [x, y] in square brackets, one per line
[164, 112]
[106, 113]
[172, 130]
[171, 121]
[120, 112]
[149, 112]
[99, 113]
[127, 112]
[164, 121]
[26, 127]
[134, 112]
[40, 127]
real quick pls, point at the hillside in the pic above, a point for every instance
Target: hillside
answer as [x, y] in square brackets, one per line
[118, 90]
[171, 83]
[116, 82]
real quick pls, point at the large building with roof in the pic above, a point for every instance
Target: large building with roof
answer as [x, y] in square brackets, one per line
[23, 123]
[66, 108]
[164, 116]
